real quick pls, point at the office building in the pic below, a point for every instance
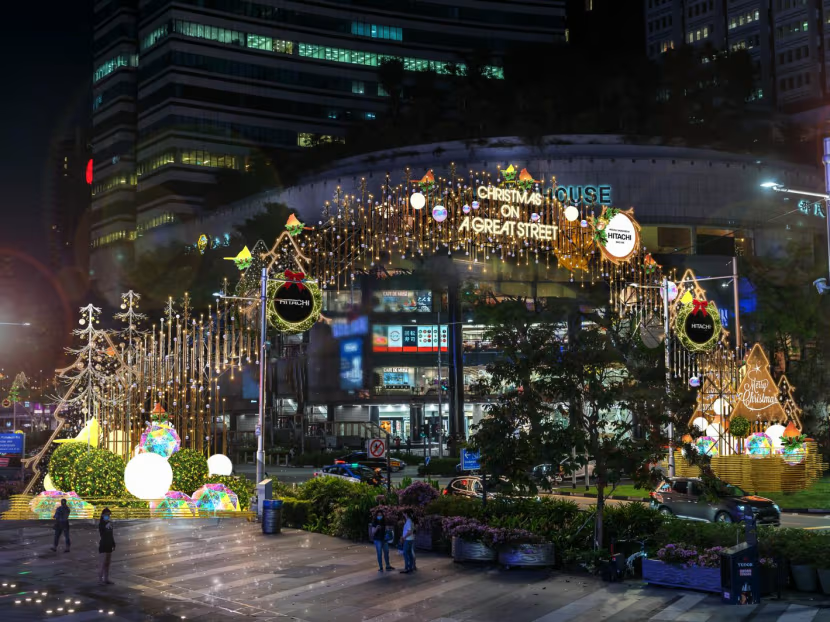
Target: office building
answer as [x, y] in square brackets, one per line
[185, 90]
[786, 40]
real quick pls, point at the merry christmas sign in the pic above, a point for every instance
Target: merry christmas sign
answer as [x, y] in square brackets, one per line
[758, 394]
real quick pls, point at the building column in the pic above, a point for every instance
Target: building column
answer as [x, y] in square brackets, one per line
[374, 415]
[456, 360]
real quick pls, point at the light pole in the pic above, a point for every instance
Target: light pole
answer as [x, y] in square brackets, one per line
[664, 287]
[771, 185]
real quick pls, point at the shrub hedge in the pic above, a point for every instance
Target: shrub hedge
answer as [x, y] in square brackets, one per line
[444, 467]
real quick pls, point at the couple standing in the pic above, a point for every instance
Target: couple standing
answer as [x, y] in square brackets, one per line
[383, 537]
[106, 544]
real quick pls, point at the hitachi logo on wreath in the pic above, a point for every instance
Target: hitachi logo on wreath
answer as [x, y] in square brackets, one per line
[294, 303]
[622, 237]
[701, 326]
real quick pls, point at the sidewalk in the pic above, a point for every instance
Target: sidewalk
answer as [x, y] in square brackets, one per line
[227, 570]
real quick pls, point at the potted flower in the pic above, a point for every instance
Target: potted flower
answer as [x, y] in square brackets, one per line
[518, 547]
[680, 565]
[468, 539]
[429, 533]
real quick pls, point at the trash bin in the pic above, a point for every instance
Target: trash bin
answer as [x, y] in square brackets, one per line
[271, 515]
[740, 575]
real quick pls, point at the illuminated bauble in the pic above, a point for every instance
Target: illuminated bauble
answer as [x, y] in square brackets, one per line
[417, 200]
[45, 504]
[534, 217]
[148, 476]
[794, 455]
[439, 213]
[775, 432]
[694, 382]
[571, 213]
[701, 423]
[672, 288]
[48, 485]
[466, 209]
[758, 445]
[583, 224]
[475, 204]
[707, 446]
[219, 464]
[216, 497]
[174, 505]
[161, 439]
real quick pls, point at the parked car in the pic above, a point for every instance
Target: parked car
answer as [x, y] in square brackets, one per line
[361, 457]
[352, 472]
[471, 486]
[684, 497]
[555, 474]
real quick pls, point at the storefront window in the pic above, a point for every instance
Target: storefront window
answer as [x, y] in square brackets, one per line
[402, 301]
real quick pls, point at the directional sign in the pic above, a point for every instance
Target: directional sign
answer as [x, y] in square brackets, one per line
[426, 460]
[377, 448]
[11, 444]
[470, 460]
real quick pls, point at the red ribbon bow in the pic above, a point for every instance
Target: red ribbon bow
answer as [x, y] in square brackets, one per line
[295, 278]
[699, 305]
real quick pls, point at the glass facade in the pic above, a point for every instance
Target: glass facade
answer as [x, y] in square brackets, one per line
[113, 64]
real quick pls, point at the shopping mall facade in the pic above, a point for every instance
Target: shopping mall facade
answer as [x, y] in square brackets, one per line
[376, 358]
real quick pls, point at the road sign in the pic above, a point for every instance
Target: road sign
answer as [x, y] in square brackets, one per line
[377, 448]
[426, 461]
[470, 460]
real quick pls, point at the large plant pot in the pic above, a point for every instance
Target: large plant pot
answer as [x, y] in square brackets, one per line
[465, 551]
[526, 555]
[429, 539]
[656, 572]
[824, 580]
[805, 578]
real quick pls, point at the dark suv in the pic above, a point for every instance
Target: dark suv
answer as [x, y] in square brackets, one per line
[684, 497]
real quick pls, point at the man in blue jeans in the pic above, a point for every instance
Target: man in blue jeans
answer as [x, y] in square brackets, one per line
[408, 537]
[379, 538]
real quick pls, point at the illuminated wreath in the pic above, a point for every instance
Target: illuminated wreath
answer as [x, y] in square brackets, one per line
[281, 323]
[683, 312]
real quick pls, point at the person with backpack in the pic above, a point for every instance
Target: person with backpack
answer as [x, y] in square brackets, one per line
[62, 526]
[381, 540]
[408, 538]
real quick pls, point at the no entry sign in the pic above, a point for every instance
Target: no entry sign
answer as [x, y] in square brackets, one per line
[377, 448]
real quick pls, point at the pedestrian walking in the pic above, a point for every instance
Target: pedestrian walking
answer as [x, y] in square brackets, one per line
[381, 540]
[408, 537]
[62, 526]
[106, 546]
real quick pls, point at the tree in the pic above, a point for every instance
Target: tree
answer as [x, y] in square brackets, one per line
[574, 384]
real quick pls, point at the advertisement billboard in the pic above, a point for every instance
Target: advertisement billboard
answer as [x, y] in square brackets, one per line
[351, 364]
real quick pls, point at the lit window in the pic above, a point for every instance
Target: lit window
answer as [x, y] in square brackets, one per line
[108, 67]
[307, 139]
[370, 116]
[376, 31]
[358, 87]
[153, 37]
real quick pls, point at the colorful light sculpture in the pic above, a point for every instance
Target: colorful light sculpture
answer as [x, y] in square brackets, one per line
[45, 504]
[175, 505]
[707, 445]
[216, 498]
[759, 445]
[161, 439]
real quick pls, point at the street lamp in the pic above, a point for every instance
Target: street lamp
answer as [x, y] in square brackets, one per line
[821, 284]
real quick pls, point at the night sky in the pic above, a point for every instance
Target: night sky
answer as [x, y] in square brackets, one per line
[46, 52]
[46, 72]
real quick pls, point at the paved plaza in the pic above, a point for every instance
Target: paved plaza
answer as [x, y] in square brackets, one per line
[227, 570]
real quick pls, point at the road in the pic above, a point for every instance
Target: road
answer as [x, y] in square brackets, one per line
[291, 475]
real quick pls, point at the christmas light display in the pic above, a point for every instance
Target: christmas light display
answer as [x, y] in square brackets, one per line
[216, 498]
[174, 505]
[148, 476]
[45, 504]
[759, 444]
[219, 464]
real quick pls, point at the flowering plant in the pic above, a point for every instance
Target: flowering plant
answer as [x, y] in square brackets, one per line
[474, 531]
[710, 558]
[417, 493]
[393, 514]
[767, 562]
[690, 556]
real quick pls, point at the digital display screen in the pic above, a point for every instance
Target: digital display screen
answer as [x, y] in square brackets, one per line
[395, 338]
[404, 301]
[351, 364]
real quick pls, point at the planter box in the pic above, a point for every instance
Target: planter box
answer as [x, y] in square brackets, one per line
[429, 539]
[526, 555]
[656, 572]
[805, 578]
[824, 580]
[464, 551]
[769, 581]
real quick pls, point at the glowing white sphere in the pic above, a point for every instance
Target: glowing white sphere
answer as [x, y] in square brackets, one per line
[148, 476]
[775, 432]
[571, 213]
[220, 464]
[721, 407]
[417, 200]
[701, 423]
[714, 430]
[48, 484]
